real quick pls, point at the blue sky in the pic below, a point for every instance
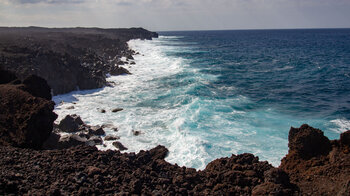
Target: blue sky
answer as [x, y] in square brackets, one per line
[160, 15]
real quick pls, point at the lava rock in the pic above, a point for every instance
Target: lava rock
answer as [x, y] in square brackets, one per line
[119, 146]
[117, 109]
[71, 123]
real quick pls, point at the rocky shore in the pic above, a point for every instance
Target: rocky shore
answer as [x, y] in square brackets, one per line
[35, 158]
[68, 58]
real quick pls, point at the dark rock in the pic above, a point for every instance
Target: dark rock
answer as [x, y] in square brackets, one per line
[103, 111]
[6, 76]
[136, 133]
[70, 107]
[37, 86]
[68, 57]
[70, 140]
[115, 71]
[92, 170]
[308, 142]
[97, 140]
[111, 137]
[25, 120]
[117, 109]
[119, 146]
[345, 138]
[52, 141]
[96, 130]
[71, 123]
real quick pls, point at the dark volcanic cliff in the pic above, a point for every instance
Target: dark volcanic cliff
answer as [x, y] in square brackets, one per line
[68, 58]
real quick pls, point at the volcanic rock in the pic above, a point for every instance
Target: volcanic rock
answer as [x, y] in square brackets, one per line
[117, 109]
[25, 120]
[71, 123]
[119, 146]
[111, 137]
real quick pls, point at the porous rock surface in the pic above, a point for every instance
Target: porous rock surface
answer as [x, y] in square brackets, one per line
[317, 165]
[26, 113]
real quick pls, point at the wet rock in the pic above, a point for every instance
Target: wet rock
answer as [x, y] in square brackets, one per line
[96, 139]
[70, 123]
[96, 130]
[111, 137]
[119, 146]
[136, 133]
[117, 109]
[70, 140]
[70, 107]
[103, 111]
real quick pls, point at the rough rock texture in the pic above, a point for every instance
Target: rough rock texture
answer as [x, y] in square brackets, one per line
[25, 120]
[84, 170]
[72, 131]
[318, 166]
[68, 58]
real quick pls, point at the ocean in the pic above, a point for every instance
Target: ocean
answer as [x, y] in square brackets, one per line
[210, 94]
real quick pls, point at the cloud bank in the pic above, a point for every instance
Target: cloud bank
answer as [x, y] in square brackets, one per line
[177, 14]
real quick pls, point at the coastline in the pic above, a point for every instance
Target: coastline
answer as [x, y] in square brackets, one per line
[90, 171]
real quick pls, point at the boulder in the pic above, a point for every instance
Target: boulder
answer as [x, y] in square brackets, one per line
[70, 140]
[115, 71]
[71, 123]
[119, 146]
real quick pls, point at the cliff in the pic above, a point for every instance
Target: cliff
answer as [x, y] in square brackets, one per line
[68, 58]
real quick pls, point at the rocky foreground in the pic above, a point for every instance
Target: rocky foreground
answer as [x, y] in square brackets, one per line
[68, 58]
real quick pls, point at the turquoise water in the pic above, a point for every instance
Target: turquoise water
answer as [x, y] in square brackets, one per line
[208, 94]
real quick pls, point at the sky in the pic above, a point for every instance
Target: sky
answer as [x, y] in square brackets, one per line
[167, 15]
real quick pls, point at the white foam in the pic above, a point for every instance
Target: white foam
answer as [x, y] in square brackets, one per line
[342, 125]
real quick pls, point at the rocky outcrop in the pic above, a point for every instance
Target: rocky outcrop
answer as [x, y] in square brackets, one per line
[317, 165]
[68, 58]
[26, 114]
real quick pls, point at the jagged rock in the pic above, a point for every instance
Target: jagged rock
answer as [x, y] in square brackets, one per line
[119, 146]
[117, 109]
[308, 142]
[71, 123]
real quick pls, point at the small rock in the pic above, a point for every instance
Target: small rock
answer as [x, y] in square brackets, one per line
[111, 137]
[117, 109]
[70, 107]
[103, 111]
[119, 146]
[136, 133]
